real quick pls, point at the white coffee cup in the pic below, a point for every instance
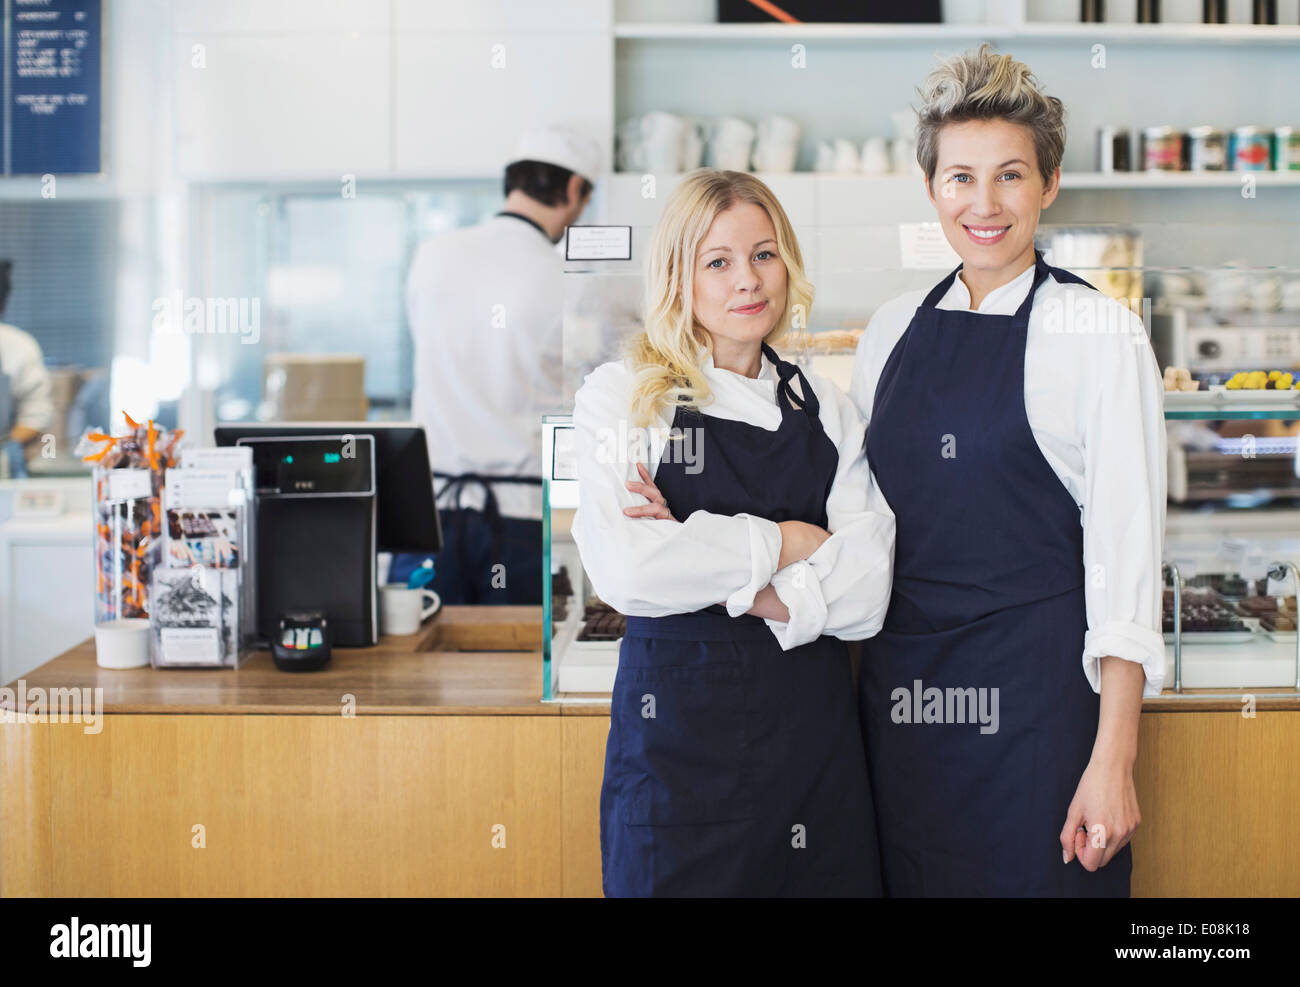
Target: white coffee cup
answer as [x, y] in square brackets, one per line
[875, 156]
[731, 141]
[778, 145]
[402, 610]
[627, 144]
[122, 643]
[662, 135]
[692, 145]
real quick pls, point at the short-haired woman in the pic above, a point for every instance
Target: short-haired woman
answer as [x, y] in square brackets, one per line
[745, 540]
[1016, 428]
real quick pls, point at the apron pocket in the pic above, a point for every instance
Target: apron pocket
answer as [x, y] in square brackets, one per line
[684, 757]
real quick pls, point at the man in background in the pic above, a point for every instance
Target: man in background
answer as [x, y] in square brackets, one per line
[26, 407]
[485, 305]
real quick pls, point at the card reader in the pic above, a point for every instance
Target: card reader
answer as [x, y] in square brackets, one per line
[302, 643]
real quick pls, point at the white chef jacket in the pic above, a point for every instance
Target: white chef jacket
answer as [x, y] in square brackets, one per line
[22, 362]
[651, 567]
[1095, 404]
[485, 305]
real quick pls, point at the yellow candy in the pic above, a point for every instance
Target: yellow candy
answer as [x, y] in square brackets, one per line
[1283, 381]
[1274, 374]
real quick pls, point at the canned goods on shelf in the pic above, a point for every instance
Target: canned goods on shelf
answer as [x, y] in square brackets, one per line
[1162, 149]
[1252, 149]
[1207, 149]
[1286, 149]
[1114, 149]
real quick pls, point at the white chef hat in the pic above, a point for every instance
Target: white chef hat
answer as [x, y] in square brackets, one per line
[564, 147]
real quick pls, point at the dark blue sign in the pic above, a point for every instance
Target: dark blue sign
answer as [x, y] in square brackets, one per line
[52, 91]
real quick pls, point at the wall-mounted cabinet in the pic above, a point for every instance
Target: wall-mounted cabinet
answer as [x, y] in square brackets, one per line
[289, 89]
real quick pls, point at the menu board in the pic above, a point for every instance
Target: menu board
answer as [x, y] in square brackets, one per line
[52, 86]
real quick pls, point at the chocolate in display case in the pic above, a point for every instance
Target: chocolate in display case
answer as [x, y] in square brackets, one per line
[582, 632]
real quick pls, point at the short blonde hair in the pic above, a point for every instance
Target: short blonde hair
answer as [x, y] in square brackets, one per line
[665, 356]
[982, 85]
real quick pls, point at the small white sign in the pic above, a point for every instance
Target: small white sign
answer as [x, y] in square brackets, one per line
[923, 246]
[218, 458]
[203, 488]
[190, 645]
[598, 243]
[564, 465]
[38, 503]
[130, 484]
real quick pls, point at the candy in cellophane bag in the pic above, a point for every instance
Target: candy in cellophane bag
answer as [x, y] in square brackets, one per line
[129, 476]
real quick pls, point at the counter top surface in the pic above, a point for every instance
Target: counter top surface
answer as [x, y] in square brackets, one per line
[424, 673]
[467, 661]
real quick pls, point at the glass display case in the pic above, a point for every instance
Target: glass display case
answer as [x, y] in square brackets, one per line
[1230, 327]
[581, 633]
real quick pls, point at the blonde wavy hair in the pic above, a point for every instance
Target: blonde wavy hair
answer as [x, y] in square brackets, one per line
[982, 85]
[665, 356]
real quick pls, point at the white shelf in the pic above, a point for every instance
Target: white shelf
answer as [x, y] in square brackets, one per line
[1069, 180]
[1146, 34]
[1173, 179]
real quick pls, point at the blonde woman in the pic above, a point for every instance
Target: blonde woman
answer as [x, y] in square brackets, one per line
[1015, 422]
[727, 509]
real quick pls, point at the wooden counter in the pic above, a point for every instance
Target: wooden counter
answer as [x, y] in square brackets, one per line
[415, 768]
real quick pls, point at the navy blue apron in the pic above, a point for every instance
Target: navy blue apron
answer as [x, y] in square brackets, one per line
[749, 778]
[988, 594]
[475, 543]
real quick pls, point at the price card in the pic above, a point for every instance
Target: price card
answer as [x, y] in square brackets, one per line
[190, 645]
[38, 503]
[923, 246]
[130, 484]
[598, 243]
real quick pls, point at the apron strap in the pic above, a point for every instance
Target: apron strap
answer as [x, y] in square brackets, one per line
[940, 289]
[1041, 270]
[455, 486]
[786, 371]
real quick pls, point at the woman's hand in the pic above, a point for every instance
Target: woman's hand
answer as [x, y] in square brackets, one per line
[1105, 803]
[1103, 815]
[799, 540]
[658, 506]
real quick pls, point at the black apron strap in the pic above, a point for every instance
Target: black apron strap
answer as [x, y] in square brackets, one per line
[455, 487]
[786, 372]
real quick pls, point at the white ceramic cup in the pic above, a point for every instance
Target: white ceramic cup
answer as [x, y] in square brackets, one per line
[692, 145]
[875, 156]
[402, 610]
[778, 145]
[628, 145]
[662, 136]
[846, 156]
[731, 141]
[122, 643]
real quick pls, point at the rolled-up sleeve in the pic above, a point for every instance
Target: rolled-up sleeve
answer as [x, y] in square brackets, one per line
[647, 567]
[843, 588]
[1124, 508]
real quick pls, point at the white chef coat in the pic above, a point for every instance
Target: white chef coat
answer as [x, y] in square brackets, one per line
[485, 305]
[651, 568]
[1095, 404]
[22, 362]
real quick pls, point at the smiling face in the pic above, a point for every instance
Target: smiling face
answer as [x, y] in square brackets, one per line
[989, 192]
[739, 281]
